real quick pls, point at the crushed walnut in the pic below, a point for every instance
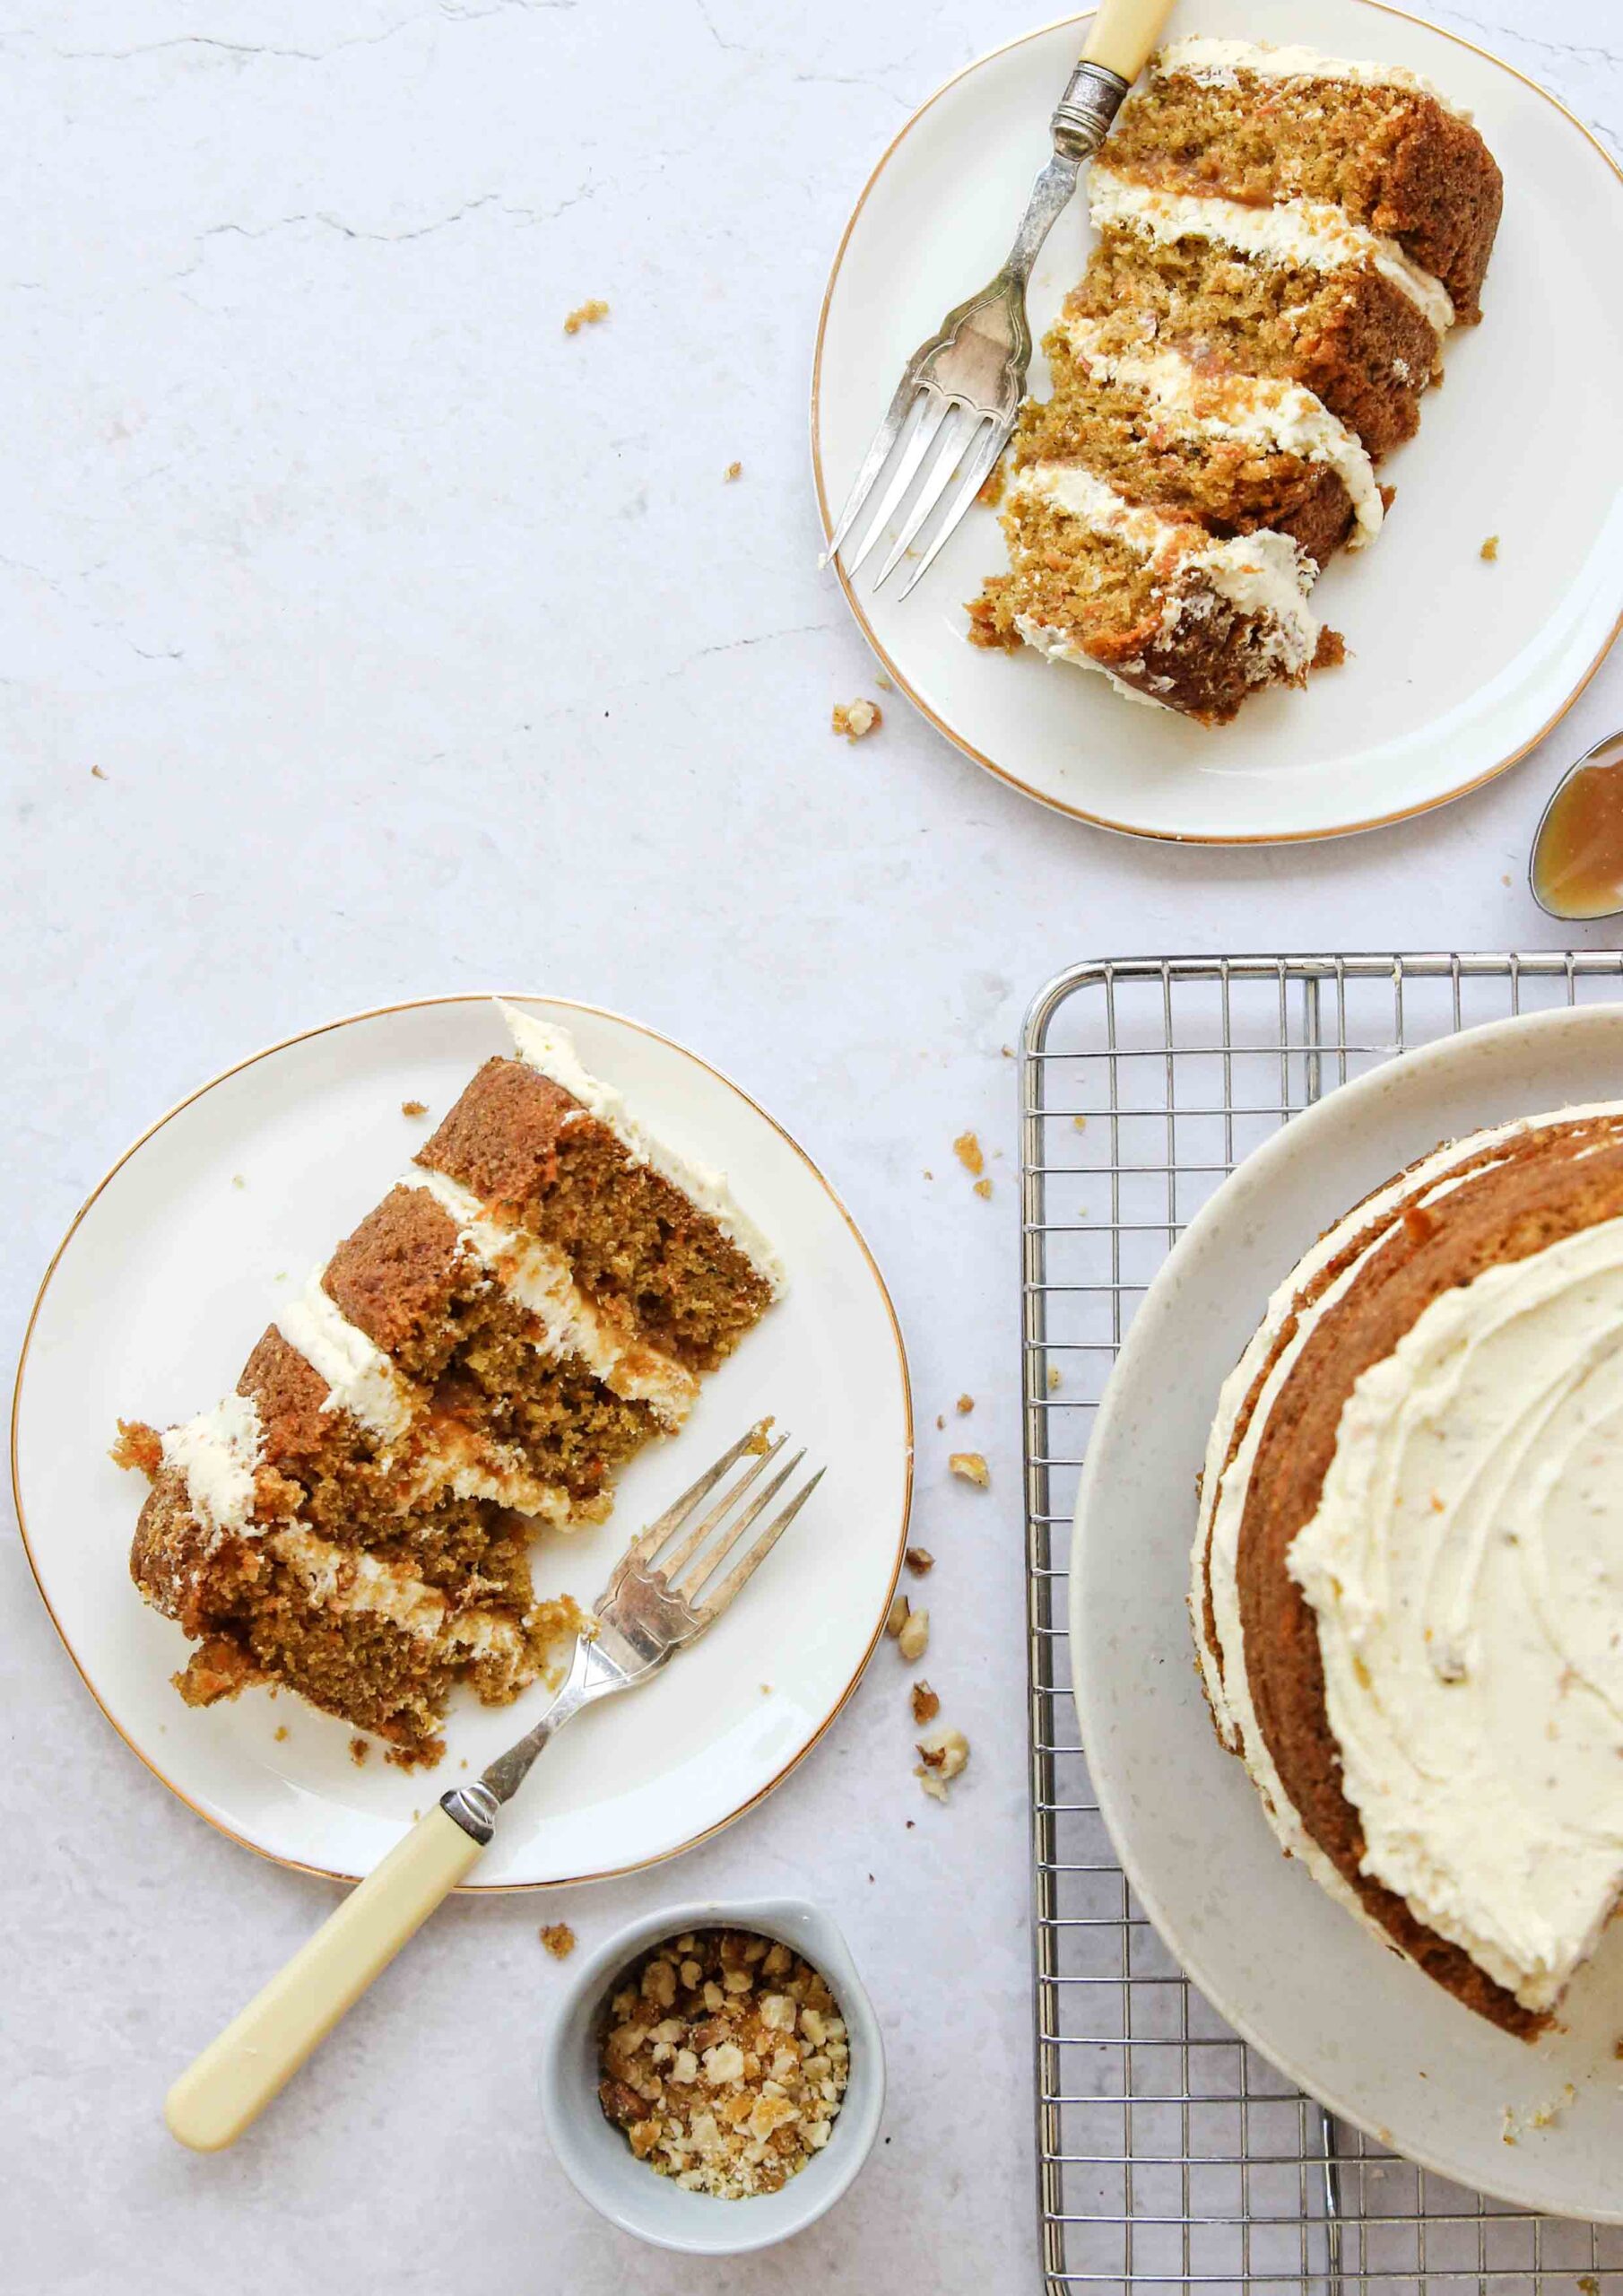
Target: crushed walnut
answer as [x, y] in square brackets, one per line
[725, 2060]
[913, 1640]
[896, 1617]
[559, 1939]
[942, 1755]
[732, 471]
[587, 314]
[927, 1704]
[920, 1561]
[854, 719]
[971, 1467]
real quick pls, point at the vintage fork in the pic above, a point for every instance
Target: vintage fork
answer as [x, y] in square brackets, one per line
[975, 366]
[655, 1603]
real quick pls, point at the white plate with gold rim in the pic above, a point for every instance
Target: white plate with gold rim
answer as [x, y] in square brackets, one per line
[1378, 2042]
[177, 1263]
[1456, 666]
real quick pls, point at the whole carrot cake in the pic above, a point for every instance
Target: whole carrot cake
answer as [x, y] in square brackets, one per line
[1408, 1573]
[535, 1300]
[1283, 240]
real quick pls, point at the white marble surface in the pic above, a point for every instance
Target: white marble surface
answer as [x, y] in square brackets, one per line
[404, 630]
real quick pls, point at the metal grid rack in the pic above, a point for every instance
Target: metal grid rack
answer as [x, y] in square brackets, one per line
[1170, 2154]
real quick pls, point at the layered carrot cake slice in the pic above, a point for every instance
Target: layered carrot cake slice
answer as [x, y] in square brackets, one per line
[535, 1300]
[1407, 1587]
[1283, 242]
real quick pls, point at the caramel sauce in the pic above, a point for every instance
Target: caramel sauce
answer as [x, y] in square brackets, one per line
[1577, 867]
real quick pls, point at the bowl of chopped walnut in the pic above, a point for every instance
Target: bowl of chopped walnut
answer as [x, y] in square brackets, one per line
[713, 2081]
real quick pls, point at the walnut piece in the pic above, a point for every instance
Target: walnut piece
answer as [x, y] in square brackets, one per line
[854, 719]
[927, 1704]
[913, 1640]
[896, 1617]
[942, 1755]
[920, 1561]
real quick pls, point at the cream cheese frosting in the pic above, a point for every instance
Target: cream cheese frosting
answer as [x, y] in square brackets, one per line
[217, 1453]
[1465, 1566]
[354, 1579]
[1360, 1233]
[542, 1045]
[1310, 234]
[1256, 410]
[1199, 56]
[360, 1377]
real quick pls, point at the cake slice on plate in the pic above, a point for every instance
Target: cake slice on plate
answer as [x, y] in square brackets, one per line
[535, 1300]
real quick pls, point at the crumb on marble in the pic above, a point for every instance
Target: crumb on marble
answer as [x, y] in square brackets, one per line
[964, 1405]
[1489, 551]
[926, 1703]
[983, 1188]
[971, 1466]
[966, 1148]
[590, 313]
[97, 774]
[856, 719]
[732, 471]
[559, 1939]
[942, 1757]
[1053, 1378]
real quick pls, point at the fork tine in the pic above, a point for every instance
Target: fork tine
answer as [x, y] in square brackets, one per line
[708, 1612]
[690, 1543]
[982, 463]
[878, 455]
[941, 472]
[925, 432]
[648, 1543]
[707, 1565]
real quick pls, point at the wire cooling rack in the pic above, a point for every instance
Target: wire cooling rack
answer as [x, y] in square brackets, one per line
[1170, 2154]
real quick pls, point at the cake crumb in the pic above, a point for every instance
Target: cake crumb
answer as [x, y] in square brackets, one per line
[854, 719]
[138, 1446]
[1545, 2116]
[919, 1560]
[765, 1690]
[732, 471]
[992, 486]
[1489, 551]
[1053, 1378]
[559, 1939]
[927, 1704]
[587, 314]
[280, 1733]
[964, 1405]
[966, 1148]
[359, 1750]
[913, 1640]
[1331, 651]
[943, 1756]
[983, 1188]
[1079, 1124]
[413, 1107]
[761, 1437]
[97, 774]
[941, 1421]
[971, 1467]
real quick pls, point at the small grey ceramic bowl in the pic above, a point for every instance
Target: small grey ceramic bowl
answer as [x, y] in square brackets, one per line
[601, 2165]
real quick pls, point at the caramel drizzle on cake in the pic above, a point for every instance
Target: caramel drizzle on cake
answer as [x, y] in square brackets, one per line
[534, 1301]
[1283, 243]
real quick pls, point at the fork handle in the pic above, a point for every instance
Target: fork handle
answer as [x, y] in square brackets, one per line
[1123, 33]
[230, 2085]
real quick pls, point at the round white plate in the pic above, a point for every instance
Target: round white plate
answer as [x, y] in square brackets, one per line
[175, 1264]
[1381, 2044]
[1456, 668]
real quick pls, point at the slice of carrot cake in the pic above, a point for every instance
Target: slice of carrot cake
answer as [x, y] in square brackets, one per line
[532, 1301]
[1282, 241]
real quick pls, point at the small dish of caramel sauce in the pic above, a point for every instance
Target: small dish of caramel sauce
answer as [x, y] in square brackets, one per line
[1576, 869]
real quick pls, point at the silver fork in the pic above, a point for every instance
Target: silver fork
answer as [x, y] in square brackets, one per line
[660, 1597]
[960, 392]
